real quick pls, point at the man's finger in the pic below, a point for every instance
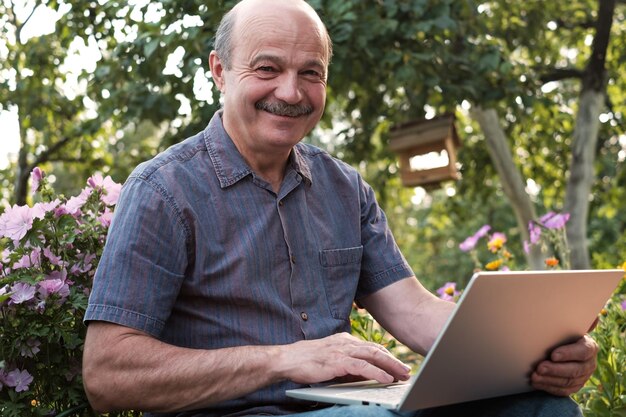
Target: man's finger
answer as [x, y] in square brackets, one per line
[566, 369]
[583, 349]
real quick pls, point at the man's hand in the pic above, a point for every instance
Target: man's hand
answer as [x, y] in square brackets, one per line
[337, 356]
[569, 368]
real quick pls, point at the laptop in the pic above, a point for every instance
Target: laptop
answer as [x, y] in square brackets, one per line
[504, 324]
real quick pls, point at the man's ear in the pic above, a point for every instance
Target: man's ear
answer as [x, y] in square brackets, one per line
[217, 71]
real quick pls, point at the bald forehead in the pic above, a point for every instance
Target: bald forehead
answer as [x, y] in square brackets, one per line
[247, 11]
[273, 6]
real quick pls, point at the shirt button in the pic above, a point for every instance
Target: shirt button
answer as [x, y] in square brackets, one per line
[304, 316]
[280, 203]
[292, 259]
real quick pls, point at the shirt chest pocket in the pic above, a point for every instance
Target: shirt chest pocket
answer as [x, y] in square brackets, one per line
[341, 269]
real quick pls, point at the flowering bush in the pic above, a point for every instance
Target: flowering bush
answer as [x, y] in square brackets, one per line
[548, 233]
[48, 255]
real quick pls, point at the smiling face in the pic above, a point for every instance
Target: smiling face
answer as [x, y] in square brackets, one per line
[275, 88]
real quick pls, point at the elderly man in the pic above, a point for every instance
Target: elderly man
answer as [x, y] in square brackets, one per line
[234, 257]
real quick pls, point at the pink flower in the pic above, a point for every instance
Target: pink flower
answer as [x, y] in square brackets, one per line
[448, 292]
[106, 217]
[74, 204]
[84, 264]
[110, 189]
[470, 243]
[39, 210]
[19, 379]
[552, 220]
[58, 286]
[15, 222]
[32, 259]
[54, 260]
[36, 175]
[22, 292]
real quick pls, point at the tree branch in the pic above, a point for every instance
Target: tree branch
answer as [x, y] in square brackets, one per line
[595, 72]
[19, 27]
[586, 24]
[46, 155]
[559, 74]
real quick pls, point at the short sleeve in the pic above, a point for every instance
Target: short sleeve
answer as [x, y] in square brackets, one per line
[382, 263]
[144, 260]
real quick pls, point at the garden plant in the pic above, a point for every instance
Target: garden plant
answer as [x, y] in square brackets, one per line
[48, 256]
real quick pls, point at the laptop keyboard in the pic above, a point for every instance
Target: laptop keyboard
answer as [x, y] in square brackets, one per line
[391, 394]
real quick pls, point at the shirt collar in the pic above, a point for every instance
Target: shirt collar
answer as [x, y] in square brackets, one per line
[230, 167]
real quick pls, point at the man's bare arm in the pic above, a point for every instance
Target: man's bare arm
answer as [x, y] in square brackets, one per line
[410, 312]
[127, 369]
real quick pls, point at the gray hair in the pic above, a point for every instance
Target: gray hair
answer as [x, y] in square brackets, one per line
[224, 39]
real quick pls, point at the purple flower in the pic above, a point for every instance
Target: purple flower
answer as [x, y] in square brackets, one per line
[36, 176]
[30, 348]
[448, 292]
[19, 379]
[22, 292]
[624, 305]
[470, 243]
[15, 222]
[535, 232]
[552, 220]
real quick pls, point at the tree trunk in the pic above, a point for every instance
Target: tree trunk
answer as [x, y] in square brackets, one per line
[585, 138]
[582, 176]
[512, 181]
[22, 175]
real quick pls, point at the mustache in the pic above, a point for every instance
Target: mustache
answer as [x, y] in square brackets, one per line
[281, 108]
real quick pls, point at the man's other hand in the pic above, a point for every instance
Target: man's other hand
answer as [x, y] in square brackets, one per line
[337, 356]
[568, 369]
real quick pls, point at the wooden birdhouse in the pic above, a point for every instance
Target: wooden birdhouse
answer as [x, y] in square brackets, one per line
[426, 150]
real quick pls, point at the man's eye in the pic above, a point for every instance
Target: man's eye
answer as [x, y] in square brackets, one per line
[266, 69]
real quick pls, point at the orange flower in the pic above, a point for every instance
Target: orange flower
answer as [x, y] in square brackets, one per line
[552, 262]
[496, 242]
[494, 265]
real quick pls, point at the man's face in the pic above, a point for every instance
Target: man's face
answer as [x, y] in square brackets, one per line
[275, 90]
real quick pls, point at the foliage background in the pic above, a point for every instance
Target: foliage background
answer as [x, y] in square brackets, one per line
[394, 61]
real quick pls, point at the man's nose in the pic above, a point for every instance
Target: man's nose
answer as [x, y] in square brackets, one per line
[289, 89]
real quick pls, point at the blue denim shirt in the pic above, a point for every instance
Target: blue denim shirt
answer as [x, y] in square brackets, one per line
[202, 253]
